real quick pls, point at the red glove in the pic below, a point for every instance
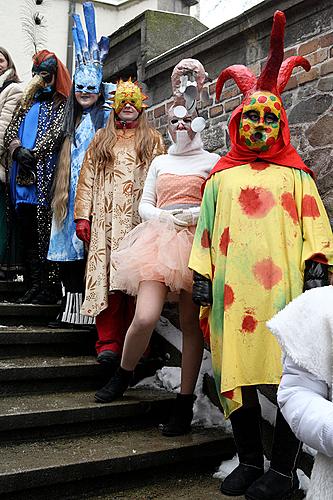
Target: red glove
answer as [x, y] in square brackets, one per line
[83, 230]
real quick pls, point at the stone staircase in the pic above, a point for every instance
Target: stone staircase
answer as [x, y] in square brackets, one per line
[55, 441]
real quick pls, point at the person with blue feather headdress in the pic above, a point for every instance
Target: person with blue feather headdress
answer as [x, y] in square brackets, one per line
[85, 114]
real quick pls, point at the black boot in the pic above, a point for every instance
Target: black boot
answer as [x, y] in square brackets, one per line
[280, 481]
[115, 388]
[246, 426]
[180, 422]
[33, 276]
[50, 290]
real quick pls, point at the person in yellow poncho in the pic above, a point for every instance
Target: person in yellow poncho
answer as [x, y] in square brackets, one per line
[263, 235]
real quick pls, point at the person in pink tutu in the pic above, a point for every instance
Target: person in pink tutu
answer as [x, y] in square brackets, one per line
[153, 258]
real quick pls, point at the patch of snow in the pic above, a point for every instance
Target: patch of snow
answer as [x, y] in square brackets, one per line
[304, 481]
[268, 409]
[309, 450]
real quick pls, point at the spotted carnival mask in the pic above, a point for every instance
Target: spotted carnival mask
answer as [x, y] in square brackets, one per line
[260, 121]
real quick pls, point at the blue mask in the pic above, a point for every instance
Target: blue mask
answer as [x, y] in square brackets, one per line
[88, 78]
[89, 58]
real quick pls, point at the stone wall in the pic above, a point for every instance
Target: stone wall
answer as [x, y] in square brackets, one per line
[308, 97]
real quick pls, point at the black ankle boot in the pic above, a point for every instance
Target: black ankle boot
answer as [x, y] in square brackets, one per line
[115, 388]
[280, 481]
[29, 295]
[246, 426]
[45, 298]
[273, 486]
[180, 422]
[238, 481]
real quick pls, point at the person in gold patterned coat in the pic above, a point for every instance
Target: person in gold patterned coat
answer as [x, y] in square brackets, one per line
[106, 209]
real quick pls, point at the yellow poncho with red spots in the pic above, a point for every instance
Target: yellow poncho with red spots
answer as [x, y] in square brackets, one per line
[258, 225]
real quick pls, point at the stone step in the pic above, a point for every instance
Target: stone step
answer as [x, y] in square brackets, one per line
[10, 290]
[48, 462]
[48, 367]
[32, 340]
[63, 408]
[27, 314]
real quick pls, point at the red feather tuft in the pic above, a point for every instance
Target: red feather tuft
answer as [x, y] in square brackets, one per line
[287, 67]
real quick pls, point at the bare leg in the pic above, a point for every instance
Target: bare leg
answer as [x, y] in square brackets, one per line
[192, 342]
[149, 305]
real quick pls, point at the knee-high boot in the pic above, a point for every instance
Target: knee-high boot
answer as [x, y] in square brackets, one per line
[246, 426]
[33, 278]
[181, 418]
[280, 481]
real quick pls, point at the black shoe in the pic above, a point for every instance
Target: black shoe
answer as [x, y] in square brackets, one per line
[239, 480]
[273, 486]
[115, 388]
[109, 357]
[29, 296]
[180, 421]
[57, 323]
[45, 298]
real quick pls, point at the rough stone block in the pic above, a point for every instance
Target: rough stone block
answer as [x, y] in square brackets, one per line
[309, 110]
[213, 138]
[159, 111]
[326, 40]
[308, 47]
[317, 57]
[216, 110]
[326, 67]
[304, 76]
[287, 99]
[212, 88]
[321, 133]
[231, 92]
[291, 51]
[232, 104]
[326, 84]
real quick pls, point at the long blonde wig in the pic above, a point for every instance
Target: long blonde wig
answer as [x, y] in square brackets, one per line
[61, 183]
[146, 139]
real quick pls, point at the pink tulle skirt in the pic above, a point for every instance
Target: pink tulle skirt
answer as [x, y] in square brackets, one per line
[154, 251]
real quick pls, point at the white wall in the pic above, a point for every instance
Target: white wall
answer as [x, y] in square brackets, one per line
[110, 15]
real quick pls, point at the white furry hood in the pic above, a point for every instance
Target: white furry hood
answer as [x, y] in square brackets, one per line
[7, 75]
[304, 329]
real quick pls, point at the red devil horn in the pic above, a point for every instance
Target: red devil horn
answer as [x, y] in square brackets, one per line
[287, 67]
[268, 77]
[244, 78]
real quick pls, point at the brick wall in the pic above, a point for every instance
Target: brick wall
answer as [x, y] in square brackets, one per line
[308, 98]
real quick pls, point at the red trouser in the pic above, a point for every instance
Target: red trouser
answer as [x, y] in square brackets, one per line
[113, 322]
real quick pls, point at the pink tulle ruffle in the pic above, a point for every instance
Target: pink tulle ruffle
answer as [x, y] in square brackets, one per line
[154, 251]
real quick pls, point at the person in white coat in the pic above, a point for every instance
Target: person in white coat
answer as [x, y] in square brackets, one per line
[304, 330]
[10, 94]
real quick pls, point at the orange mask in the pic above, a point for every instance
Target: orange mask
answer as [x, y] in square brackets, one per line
[128, 92]
[260, 121]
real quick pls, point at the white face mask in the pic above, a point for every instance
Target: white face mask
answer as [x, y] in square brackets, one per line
[185, 144]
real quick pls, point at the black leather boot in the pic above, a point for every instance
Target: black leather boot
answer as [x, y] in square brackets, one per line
[246, 426]
[180, 421]
[50, 289]
[33, 276]
[280, 481]
[115, 388]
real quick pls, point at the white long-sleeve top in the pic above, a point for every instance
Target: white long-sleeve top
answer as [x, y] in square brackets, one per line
[304, 329]
[304, 402]
[174, 181]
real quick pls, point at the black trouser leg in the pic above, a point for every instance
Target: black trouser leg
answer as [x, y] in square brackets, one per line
[246, 426]
[27, 218]
[286, 447]
[280, 481]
